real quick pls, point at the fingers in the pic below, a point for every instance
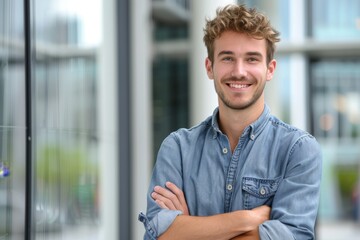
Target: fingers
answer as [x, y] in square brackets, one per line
[161, 204]
[180, 197]
[265, 210]
[179, 194]
[170, 197]
[164, 198]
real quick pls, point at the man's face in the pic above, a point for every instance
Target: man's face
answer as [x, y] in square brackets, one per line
[239, 70]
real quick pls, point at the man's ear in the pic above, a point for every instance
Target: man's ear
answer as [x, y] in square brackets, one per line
[270, 70]
[209, 69]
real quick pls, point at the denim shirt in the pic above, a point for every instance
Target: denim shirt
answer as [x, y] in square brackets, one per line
[273, 164]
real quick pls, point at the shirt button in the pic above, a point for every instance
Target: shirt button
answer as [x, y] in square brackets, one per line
[229, 187]
[225, 151]
[262, 191]
[252, 136]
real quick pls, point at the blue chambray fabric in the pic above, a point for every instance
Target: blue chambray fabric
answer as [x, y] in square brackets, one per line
[273, 164]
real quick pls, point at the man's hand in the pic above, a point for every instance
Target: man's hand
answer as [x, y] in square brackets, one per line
[170, 197]
[261, 214]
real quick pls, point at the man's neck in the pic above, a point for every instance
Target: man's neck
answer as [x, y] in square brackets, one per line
[233, 122]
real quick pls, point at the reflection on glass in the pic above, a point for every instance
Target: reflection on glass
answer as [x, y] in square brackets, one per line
[335, 19]
[335, 91]
[65, 119]
[12, 120]
[276, 10]
[170, 97]
[336, 100]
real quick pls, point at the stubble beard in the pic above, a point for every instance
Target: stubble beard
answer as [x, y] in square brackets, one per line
[242, 105]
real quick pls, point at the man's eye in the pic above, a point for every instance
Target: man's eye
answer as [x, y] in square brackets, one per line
[227, 59]
[252, 60]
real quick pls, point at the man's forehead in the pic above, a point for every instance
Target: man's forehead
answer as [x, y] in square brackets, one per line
[232, 43]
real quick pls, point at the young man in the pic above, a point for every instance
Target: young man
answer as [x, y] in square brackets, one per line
[242, 173]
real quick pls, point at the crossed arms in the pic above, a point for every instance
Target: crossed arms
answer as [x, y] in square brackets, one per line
[293, 209]
[242, 224]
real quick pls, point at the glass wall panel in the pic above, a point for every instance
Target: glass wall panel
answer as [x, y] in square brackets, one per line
[170, 76]
[12, 120]
[65, 147]
[335, 91]
[170, 97]
[277, 91]
[277, 11]
[336, 20]
[165, 32]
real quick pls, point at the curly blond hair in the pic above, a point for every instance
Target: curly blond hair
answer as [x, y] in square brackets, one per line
[240, 19]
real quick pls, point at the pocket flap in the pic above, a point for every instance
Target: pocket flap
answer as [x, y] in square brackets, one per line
[262, 188]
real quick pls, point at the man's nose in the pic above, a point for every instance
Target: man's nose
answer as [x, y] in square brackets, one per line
[239, 70]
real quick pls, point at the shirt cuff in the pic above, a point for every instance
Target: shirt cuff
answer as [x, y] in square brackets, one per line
[160, 222]
[274, 229]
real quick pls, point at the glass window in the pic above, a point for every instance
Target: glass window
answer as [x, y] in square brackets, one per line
[170, 97]
[336, 100]
[65, 146]
[332, 19]
[163, 32]
[277, 11]
[277, 91]
[335, 117]
[64, 89]
[12, 120]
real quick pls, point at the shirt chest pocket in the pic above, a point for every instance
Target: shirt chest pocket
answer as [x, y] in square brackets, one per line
[258, 192]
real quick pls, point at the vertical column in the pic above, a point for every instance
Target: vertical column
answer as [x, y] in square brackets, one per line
[298, 66]
[28, 118]
[108, 125]
[124, 110]
[273, 90]
[203, 98]
[141, 108]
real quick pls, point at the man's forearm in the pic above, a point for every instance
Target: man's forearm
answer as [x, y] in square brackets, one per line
[223, 226]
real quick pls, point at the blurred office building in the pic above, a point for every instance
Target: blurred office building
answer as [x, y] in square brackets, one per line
[89, 89]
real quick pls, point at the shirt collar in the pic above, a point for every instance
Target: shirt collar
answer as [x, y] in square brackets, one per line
[214, 122]
[256, 127]
[252, 130]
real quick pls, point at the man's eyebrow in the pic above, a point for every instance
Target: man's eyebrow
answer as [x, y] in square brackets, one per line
[254, 54]
[225, 52]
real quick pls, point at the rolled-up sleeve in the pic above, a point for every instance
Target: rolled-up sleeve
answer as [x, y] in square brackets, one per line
[295, 205]
[159, 224]
[167, 168]
[274, 229]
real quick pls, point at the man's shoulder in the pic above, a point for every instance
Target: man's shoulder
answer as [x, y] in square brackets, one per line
[291, 136]
[194, 131]
[286, 128]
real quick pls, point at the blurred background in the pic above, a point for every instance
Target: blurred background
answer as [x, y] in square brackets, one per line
[89, 89]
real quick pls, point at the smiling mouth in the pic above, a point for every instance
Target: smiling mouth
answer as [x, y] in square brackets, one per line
[238, 86]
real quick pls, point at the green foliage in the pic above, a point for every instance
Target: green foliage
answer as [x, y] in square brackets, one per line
[55, 165]
[347, 178]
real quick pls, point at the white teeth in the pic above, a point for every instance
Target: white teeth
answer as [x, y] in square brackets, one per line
[233, 85]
